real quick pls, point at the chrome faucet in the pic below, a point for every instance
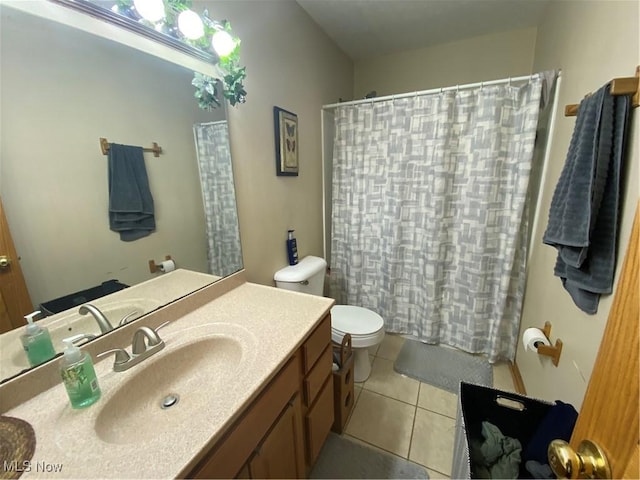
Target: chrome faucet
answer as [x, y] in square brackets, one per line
[103, 323]
[145, 339]
[145, 343]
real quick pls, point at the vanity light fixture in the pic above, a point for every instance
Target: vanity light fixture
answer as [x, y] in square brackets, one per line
[190, 25]
[174, 23]
[223, 43]
[151, 10]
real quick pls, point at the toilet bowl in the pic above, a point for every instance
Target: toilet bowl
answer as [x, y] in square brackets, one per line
[366, 329]
[365, 326]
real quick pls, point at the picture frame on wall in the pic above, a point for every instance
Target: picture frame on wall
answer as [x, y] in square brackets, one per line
[286, 139]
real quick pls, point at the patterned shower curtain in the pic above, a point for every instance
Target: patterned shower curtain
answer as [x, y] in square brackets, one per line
[427, 225]
[219, 197]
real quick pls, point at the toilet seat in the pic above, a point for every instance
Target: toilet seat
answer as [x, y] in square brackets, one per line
[366, 327]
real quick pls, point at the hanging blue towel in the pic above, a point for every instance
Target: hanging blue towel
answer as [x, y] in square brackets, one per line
[583, 219]
[131, 210]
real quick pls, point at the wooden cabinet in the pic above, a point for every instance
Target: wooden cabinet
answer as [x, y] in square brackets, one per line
[317, 385]
[280, 454]
[281, 433]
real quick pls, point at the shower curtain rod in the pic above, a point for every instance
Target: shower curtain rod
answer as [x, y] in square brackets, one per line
[431, 91]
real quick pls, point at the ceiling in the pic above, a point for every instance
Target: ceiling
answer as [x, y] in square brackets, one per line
[370, 28]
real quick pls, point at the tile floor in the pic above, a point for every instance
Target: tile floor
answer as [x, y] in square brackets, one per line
[406, 417]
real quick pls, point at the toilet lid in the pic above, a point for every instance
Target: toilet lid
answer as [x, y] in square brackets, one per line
[355, 320]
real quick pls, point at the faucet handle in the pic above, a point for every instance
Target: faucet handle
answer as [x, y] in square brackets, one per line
[122, 356]
[127, 318]
[162, 325]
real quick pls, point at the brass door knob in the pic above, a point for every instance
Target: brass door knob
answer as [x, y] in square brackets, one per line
[4, 261]
[588, 462]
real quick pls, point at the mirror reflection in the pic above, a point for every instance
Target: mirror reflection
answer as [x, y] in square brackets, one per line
[61, 91]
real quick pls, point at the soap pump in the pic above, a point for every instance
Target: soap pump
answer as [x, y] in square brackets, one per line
[36, 342]
[292, 248]
[79, 376]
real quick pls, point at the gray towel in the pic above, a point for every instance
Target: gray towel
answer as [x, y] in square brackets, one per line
[583, 219]
[131, 211]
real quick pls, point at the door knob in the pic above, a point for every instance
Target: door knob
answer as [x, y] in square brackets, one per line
[588, 462]
[4, 261]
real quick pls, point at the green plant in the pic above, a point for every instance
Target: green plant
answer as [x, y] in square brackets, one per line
[232, 74]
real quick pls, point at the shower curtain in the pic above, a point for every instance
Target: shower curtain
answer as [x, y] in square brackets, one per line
[427, 223]
[219, 197]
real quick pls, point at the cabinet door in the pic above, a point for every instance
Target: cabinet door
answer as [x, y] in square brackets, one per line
[319, 420]
[281, 454]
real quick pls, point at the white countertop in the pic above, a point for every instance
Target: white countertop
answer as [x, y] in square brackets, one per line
[269, 323]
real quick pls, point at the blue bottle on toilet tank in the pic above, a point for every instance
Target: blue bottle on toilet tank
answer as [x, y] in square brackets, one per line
[292, 248]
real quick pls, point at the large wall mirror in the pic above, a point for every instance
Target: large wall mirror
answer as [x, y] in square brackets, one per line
[62, 89]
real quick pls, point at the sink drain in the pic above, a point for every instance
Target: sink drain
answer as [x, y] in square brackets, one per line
[169, 401]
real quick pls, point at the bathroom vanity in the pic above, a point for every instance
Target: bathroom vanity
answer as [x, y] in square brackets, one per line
[250, 366]
[281, 433]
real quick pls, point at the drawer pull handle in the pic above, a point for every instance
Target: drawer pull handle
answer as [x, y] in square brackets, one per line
[347, 401]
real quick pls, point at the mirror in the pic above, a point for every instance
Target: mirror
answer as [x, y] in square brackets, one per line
[62, 89]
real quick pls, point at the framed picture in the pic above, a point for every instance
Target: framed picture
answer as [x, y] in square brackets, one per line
[286, 129]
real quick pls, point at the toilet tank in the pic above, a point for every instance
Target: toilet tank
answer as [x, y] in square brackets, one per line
[306, 277]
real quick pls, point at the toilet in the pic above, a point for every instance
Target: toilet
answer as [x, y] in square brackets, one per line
[366, 327]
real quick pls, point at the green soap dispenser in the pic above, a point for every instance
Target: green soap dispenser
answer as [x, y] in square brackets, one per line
[36, 342]
[79, 376]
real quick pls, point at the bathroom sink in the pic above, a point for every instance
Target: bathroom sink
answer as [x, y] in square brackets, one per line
[192, 374]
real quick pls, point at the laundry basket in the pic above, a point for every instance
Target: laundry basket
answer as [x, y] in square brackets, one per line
[515, 415]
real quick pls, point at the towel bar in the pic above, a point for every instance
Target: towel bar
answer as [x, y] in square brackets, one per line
[156, 149]
[619, 86]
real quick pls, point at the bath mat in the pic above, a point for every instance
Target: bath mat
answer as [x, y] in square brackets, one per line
[442, 367]
[341, 457]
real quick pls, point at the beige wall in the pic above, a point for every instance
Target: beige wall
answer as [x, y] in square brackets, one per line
[591, 42]
[487, 57]
[62, 89]
[293, 65]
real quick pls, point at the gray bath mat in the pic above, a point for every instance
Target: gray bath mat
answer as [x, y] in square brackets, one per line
[344, 458]
[442, 367]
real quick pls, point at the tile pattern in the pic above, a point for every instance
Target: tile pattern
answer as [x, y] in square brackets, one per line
[406, 417]
[426, 192]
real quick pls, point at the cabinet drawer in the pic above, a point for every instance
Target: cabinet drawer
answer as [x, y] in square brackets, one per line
[316, 343]
[318, 421]
[316, 378]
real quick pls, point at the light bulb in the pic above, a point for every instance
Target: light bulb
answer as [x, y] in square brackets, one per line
[152, 10]
[190, 24]
[223, 43]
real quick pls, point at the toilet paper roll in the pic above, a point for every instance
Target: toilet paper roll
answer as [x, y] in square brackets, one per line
[532, 337]
[167, 266]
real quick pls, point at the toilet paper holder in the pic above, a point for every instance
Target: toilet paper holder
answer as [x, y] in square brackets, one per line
[154, 267]
[552, 351]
